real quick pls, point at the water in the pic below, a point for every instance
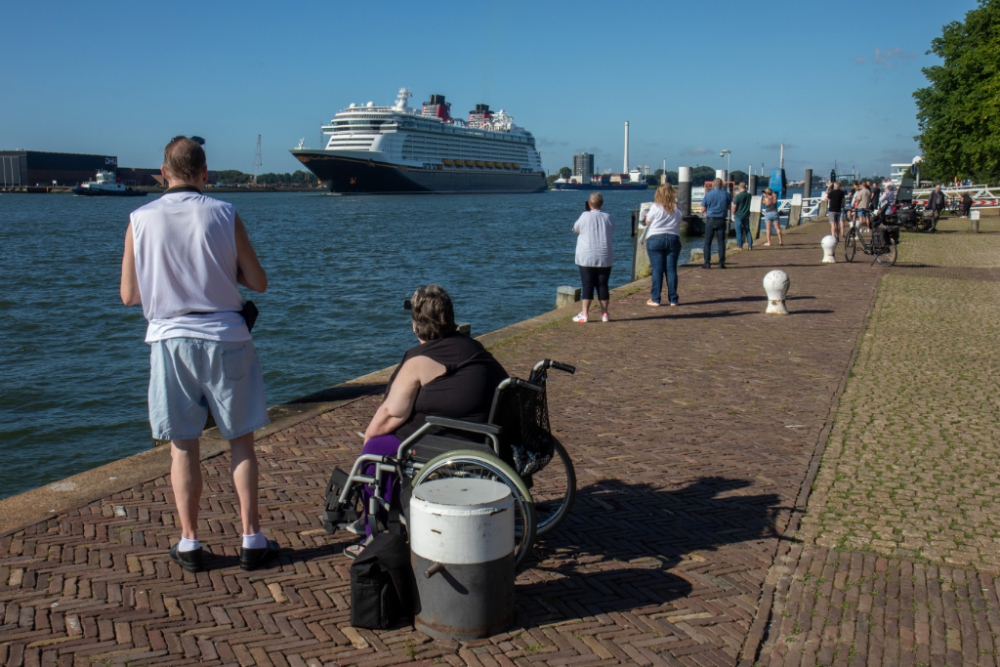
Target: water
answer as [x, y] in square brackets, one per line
[74, 369]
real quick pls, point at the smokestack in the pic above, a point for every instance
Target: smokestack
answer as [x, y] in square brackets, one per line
[625, 170]
[781, 162]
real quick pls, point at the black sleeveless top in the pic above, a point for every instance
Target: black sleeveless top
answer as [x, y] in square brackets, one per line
[466, 389]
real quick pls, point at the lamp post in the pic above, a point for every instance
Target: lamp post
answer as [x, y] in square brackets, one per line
[728, 154]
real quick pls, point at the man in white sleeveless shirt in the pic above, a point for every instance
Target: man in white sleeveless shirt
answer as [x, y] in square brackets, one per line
[185, 253]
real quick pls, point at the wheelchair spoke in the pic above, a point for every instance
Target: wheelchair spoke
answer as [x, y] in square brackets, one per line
[553, 489]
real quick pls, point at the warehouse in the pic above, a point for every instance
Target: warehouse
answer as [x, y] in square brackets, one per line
[26, 168]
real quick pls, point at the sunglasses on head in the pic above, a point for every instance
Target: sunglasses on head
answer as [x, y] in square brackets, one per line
[197, 140]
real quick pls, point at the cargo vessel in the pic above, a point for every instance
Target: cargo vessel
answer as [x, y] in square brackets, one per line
[401, 150]
[106, 185]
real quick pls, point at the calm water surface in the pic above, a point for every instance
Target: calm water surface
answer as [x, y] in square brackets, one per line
[73, 365]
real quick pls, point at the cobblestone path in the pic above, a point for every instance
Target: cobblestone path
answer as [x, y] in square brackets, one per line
[900, 545]
[695, 431]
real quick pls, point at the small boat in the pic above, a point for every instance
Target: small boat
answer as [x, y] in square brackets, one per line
[470, 164]
[446, 161]
[106, 185]
[514, 165]
[480, 164]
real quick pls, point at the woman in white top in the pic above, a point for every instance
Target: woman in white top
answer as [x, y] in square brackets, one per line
[595, 254]
[663, 243]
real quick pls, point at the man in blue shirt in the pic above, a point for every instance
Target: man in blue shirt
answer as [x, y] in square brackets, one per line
[714, 206]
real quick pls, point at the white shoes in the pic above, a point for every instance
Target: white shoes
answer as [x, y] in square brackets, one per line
[581, 318]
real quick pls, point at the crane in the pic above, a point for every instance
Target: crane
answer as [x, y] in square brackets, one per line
[256, 163]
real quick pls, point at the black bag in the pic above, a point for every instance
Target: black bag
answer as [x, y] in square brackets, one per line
[382, 583]
[880, 239]
[249, 314]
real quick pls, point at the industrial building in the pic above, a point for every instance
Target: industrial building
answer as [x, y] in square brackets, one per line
[30, 168]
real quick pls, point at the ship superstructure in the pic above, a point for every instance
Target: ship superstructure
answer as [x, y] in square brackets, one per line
[398, 149]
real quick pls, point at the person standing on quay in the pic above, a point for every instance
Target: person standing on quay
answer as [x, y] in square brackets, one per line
[834, 210]
[184, 255]
[771, 216]
[935, 204]
[741, 217]
[714, 206]
[663, 243]
[595, 254]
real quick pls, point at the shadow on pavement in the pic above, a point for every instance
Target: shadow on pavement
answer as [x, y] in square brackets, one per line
[626, 546]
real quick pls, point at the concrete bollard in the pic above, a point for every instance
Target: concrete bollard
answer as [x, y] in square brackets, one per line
[464, 327]
[697, 256]
[829, 244]
[462, 552]
[974, 222]
[795, 213]
[776, 285]
[567, 296]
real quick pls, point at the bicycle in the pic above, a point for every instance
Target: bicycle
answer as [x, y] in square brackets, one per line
[879, 241]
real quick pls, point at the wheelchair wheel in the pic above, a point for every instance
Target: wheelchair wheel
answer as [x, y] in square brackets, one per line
[470, 464]
[850, 245]
[553, 489]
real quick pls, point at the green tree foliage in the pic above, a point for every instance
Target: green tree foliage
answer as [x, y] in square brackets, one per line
[959, 112]
[565, 172]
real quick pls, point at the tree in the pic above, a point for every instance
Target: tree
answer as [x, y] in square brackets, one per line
[958, 114]
[565, 172]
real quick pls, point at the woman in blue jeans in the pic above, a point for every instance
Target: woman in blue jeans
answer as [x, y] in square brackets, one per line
[663, 243]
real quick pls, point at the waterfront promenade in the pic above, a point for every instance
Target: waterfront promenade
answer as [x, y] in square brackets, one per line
[697, 434]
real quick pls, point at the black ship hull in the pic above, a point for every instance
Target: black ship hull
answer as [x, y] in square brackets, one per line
[350, 176]
[87, 192]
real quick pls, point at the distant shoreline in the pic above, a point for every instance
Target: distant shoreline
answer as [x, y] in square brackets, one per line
[68, 190]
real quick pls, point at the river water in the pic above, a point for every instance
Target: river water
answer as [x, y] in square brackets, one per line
[73, 365]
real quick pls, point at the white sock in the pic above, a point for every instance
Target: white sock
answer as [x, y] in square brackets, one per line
[255, 541]
[188, 545]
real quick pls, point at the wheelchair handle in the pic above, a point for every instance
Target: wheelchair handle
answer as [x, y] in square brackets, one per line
[517, 382]
[563, 367]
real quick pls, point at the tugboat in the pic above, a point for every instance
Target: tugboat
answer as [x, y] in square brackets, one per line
[106, 185]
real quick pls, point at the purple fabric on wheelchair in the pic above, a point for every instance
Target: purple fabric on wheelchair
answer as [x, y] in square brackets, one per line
[382, 445]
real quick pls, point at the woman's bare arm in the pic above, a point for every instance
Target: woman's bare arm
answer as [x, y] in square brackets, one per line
[398, 405]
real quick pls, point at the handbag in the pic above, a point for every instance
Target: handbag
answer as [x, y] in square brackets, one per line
[382, 583]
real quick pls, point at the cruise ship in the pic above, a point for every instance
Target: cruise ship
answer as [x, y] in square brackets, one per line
[401, 150]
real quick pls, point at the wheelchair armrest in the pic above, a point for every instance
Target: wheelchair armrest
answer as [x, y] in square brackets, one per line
[485, 429]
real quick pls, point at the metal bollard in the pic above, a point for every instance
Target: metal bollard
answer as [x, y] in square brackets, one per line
[974, 222]
[776, 285]
[462, 551]
[829, 244]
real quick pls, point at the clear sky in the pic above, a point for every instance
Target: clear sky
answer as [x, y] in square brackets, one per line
[833, 81]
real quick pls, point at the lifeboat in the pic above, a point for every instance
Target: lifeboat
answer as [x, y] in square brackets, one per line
[480, 164]
[470, 164]
[506, 165]
[489, 164]
[514, 165]
[447, 162]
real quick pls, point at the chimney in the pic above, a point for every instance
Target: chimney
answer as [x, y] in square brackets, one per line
[625, 170]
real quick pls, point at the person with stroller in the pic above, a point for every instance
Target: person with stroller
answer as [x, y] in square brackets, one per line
[447, 374]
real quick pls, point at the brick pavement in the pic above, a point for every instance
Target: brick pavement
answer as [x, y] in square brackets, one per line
[899, 557]
[693, 430]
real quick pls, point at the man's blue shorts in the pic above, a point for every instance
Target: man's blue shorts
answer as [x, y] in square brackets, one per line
[190, 376]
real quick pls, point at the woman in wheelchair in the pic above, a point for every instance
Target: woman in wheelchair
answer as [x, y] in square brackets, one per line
[447, 374]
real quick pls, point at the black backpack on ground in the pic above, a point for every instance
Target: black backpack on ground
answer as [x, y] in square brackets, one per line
[382, 583]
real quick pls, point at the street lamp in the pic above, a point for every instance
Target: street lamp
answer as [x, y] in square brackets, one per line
[728, 154]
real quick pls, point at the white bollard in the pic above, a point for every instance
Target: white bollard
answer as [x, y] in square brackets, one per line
[776, 285]
[829, 244]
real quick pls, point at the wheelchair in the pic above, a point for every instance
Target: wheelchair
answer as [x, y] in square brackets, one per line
[515, 447]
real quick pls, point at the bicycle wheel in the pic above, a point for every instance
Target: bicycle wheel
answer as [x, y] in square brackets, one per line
[553, 488]
[850, 245]
[887, 256]
[470, 464]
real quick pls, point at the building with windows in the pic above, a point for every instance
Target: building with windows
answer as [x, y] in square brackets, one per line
[583, 168]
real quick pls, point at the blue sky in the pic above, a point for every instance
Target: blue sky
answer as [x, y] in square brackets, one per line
[831, 81]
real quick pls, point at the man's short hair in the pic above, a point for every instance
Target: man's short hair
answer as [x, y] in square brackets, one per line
[432, 312]
[596, 200]
[718, 183]
[743, 186]
[184, 159]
